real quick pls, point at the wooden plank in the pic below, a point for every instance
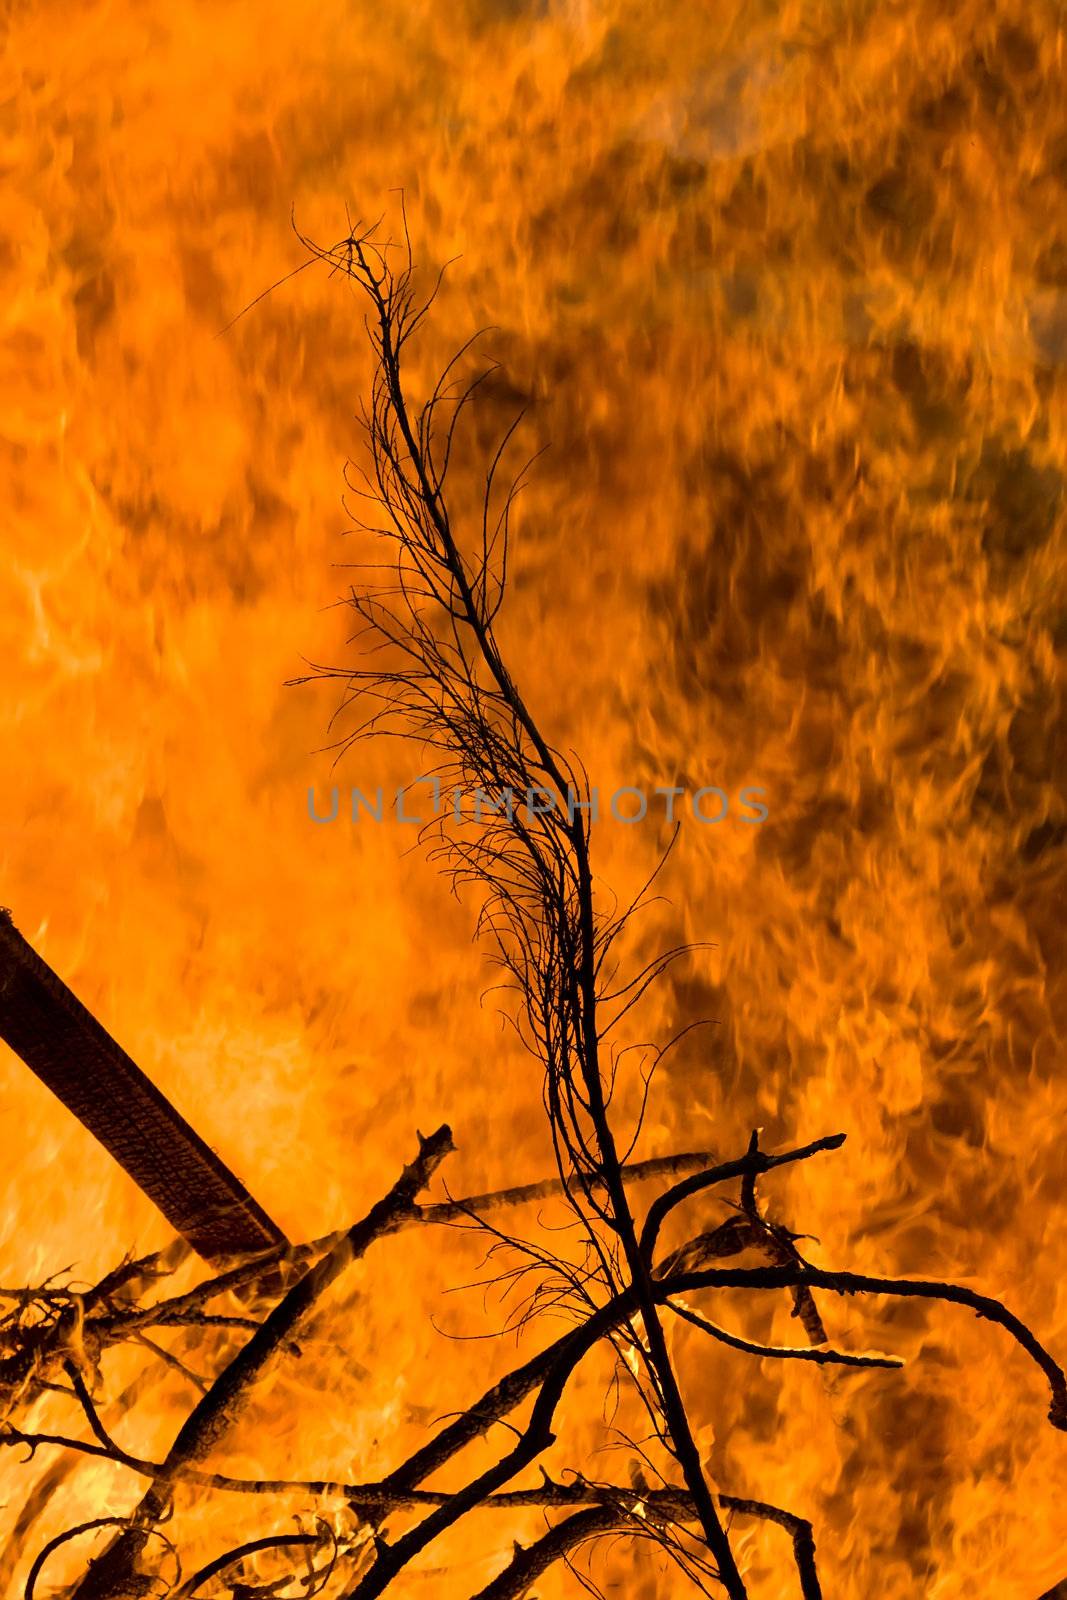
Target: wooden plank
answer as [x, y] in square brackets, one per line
[63, 1043]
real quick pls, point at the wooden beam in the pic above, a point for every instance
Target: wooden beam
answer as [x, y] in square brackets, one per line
[62, 1042]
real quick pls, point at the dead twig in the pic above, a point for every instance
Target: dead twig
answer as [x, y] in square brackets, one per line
[110, 1577]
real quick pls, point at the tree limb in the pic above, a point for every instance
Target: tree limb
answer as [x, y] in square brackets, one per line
[110, 1577]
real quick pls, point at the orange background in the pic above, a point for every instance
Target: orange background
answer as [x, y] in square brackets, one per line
[783, 287]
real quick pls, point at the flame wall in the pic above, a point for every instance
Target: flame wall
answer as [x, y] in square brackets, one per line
[784, 288]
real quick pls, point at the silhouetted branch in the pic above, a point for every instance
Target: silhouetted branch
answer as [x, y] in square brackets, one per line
[277, 1541]
[527, 1565]
[640, 1513]
[210, 1418]
[445, 683]
[820, 1356]
[186, 1309]
[745, 1167]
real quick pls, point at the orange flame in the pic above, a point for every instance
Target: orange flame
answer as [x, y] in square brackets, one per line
[784, 289]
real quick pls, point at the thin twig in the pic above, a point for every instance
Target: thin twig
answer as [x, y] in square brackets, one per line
[211, 1417]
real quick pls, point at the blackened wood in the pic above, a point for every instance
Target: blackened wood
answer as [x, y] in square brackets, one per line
[62, 1042]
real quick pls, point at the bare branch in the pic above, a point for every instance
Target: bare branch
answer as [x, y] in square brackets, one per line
[210, 1418]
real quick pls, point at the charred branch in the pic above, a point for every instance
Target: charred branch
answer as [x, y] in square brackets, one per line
[459, 697]
[111, 1577]
[64, 1045]
[545, 1375]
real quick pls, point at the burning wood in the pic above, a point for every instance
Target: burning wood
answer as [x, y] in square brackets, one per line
[63, 1043]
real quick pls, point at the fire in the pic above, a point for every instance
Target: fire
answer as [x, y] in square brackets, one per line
[784, 292]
